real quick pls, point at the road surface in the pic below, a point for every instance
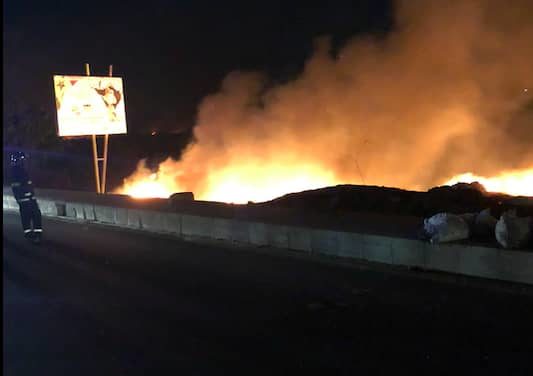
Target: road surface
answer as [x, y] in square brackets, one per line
[95, 300]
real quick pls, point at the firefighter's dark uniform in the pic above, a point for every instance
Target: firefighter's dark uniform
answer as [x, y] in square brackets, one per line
[29, 209]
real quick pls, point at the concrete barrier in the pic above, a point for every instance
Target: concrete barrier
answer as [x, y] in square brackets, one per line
[516, 266]
[240, 231]
[258, 234]
[299, 238]
[277, 236]
[48, 208]
[487, 262]
[11, 203]
[480, 261]
[134, 218]
[443, 257]
[104, 214]
[6, 202]
[220, 229]
[229, 229]
[350, 245]
[193, 225]
[152, 220]
[407, 252]
[121, 217]
[377, 248]
[172, 223]
[325, 242]
[89, 212]
[75, 210]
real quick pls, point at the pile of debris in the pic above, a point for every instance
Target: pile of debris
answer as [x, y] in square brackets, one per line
[510, 230]
[456, 199]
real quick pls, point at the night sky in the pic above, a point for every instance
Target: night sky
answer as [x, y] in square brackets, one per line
[171, 54]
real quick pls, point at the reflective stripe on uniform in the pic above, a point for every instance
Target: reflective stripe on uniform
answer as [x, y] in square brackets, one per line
[28, 194]
[15, 184]
[38, 230]
[24, 199]
[26, 231]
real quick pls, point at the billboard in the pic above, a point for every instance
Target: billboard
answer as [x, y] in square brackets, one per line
[88, 105]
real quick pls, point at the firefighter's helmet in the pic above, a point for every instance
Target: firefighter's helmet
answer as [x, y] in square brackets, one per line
[17, 158]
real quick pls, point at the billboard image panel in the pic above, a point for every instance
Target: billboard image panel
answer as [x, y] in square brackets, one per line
[88, 105]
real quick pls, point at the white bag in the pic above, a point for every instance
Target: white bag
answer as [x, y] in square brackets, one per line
[446, 227]
[512, 231]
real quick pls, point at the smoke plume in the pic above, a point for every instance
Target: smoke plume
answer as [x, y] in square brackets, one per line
[445, 92]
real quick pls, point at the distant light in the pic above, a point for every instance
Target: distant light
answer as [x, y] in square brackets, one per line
[525, 90]
[154, 133]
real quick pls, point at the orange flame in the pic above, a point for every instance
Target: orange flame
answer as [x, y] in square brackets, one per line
[234, 184]
[146, 184]
[516, 183]
[148, 188]
[245, 183]
[242, 183]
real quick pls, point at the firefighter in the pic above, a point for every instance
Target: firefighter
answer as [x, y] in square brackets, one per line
[22, 187]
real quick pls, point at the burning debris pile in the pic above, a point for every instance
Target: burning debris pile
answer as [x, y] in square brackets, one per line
[457, 199]
[442, 94]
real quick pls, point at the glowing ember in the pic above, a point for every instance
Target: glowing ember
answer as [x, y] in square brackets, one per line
[517, 183]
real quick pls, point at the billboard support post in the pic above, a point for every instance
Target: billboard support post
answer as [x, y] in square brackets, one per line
[100, 188]
[96, 168]
[104, 167]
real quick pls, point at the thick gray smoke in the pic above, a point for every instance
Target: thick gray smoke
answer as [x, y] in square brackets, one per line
[442, 94]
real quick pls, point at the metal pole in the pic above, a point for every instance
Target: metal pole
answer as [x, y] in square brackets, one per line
[95, 149]
[106, 142]
[104, 171]
[95, 159]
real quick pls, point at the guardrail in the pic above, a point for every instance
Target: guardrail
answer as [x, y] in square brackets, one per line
[471, 260]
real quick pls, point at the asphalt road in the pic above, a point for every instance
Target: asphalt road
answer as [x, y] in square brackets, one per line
[93, 300]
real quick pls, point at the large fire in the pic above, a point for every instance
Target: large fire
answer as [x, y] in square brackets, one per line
[240, 184]
[517, 183]
[235, 184]
[409, 109]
